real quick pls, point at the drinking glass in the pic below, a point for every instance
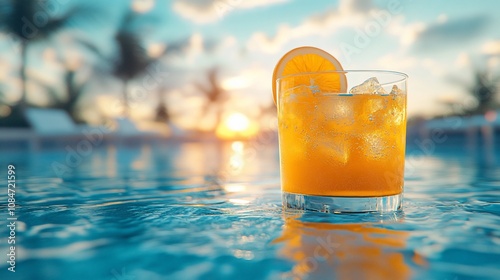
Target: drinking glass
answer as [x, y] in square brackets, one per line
[342, 151]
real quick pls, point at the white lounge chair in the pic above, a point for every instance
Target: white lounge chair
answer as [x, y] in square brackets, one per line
[51, 122]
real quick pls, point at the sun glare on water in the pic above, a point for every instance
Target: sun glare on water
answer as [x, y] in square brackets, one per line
[236, 125]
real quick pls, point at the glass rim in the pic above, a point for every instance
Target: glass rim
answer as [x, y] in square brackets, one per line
[403, 76]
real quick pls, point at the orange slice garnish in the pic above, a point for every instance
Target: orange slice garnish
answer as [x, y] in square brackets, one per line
[310, 60]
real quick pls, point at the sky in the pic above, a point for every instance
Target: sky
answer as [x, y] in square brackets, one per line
[433, 42]
[436, 43]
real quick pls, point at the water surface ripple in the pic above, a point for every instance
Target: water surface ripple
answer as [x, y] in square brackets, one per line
[207, 211]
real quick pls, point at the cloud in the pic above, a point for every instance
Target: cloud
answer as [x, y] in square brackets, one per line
[143, 6]
[434, 67]
[463, 60]
[204, 11]
[187, 60]
[493, 62]
[398, 61]
[246, 4]
[198, 11]
[190, 47]
[348, 13]
[355, 6]
[443, 33]
[491, 48]
[409, 34]
[347, 20]
[262, 42]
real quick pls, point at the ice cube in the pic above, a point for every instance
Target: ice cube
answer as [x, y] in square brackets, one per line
[334, 148]
[380, 90]
[338, 152]
[375, 145]
[396, 90]
[370, 86]
[337, 108]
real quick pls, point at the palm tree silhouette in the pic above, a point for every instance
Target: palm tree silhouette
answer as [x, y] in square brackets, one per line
[21, 18]
[162, 113]
[483, 89]
[215, 96]
[72, 89]
[131, 61]
[132, 58]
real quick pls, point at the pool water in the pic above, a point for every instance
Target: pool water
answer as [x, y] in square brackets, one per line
[213, 211]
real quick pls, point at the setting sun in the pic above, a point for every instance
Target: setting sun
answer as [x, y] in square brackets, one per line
[237, 122]
[236, 125]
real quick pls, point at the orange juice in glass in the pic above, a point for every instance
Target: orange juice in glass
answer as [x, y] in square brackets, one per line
[342, 150]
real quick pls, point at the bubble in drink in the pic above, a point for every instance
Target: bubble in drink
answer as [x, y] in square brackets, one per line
[370, 86]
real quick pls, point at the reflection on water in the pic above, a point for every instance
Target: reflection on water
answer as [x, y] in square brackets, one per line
[322, 250]
[226, 161]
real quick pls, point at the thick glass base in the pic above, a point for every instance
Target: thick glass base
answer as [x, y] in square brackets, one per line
[334, 204]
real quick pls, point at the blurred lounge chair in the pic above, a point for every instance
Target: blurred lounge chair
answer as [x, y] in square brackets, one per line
[125, 127]
[128, 132]
[51, 122]
[468, 126]
[55, 128]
